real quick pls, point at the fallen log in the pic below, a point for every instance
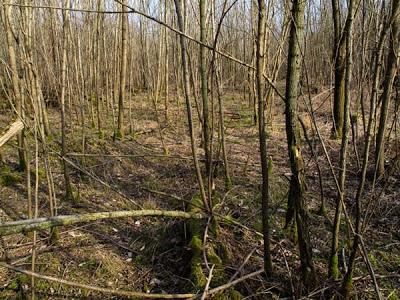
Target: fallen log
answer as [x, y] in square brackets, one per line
[39, 224]
[14, 129]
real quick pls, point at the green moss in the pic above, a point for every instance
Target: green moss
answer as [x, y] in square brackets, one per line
[196, 245]
[196, 204]
[23, 279]
[213, 257]
[229, 220]
[348, 284]
[13, 285]
[334, 268]
[195, 228]
[270, 166]
[197, 276]
[214, 227]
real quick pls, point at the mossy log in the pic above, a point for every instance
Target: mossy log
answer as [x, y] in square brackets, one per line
[39, 224]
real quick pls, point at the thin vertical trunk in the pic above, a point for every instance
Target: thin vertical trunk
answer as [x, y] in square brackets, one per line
[97, 74]
[119, 134]
[339, 65]
[15, 82]
[204, 85]
[392, 62]
[67, 180]
[347, 38]
[188, 104]
[166, 98]
[260, 57]
[348, 278]
[296, 199]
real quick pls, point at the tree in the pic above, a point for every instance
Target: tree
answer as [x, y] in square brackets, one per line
[186, 88]
[390, 73]
[68, 188]
[119, 133]
[339, 70]
[15, 82]
[348, 278]
[346, 39]
[204, 84]
[265, 168]
[296, 201]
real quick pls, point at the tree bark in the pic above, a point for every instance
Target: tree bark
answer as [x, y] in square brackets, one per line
[260, 57]
[296, 202]
[392, 63]
[186, 89]
[119, 134]
[339, 65]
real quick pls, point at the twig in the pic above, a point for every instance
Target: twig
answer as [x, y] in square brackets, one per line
[231, 284]
[242, 265]
[371, 270]
[288, 269]
[208, 283]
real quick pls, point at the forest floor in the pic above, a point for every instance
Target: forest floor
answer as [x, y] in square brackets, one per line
[152, 254]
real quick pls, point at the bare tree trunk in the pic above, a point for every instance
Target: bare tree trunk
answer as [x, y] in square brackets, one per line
[348, 278]
[15, 83]
[339, 65]
[188, 104]
[347, 37]
[166, 69]
[392, 63]
[296, 203]
[68, 188]
[204, 85]
[119, 134]
[260, 57]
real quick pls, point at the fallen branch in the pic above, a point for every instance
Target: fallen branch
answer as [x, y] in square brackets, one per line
[231, 284]
[39, 224]
[129, 293]
[98, 289]
[14, 129]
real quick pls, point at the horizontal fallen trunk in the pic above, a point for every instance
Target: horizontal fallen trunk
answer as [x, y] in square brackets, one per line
[39, 224]
[102, 290]
[14, 129]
